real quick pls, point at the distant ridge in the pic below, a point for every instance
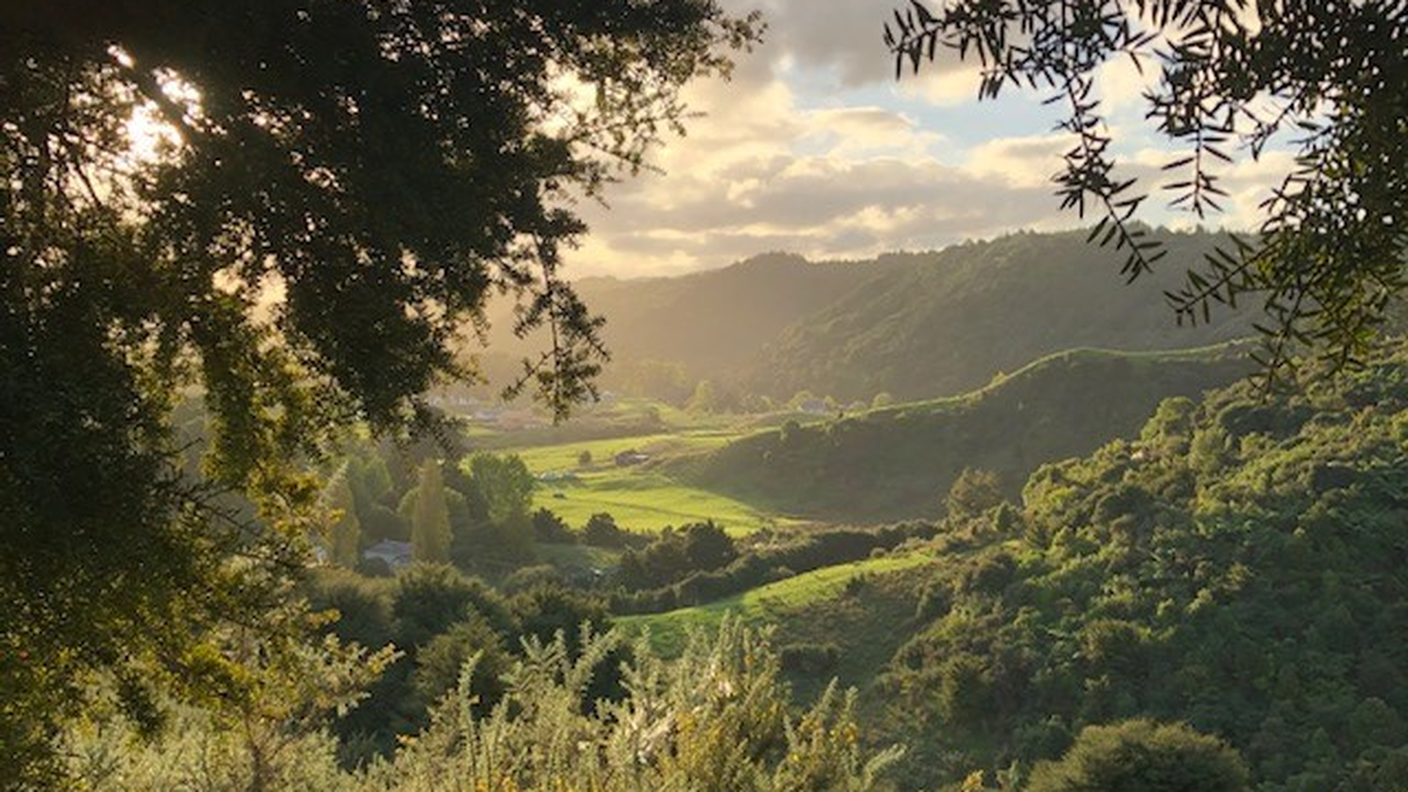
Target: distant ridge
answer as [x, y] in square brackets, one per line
[949, 321]
[915, 325]
[712, 322]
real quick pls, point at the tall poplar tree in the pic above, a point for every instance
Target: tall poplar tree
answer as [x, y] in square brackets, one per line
[430, 517]
[345, 534]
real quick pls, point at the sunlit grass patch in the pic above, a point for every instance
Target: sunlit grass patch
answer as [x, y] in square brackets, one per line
[640, 500]
[669, 630]
[638, 496]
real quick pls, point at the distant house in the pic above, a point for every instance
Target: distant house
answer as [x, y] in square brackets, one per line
[395, 554]
[631, 457]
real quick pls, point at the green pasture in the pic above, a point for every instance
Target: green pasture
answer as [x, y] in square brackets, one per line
[563, 456]
[669, 630]
[643, 501]
[640, 497]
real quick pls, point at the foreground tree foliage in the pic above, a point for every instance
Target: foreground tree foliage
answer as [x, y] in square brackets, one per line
[295, 208]
[715, 719]
[1235, 79]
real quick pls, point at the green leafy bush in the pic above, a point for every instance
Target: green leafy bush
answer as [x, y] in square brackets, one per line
[1143, 756]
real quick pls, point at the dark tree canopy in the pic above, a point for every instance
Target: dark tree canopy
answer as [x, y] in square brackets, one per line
[1234, 78]
[324, 196]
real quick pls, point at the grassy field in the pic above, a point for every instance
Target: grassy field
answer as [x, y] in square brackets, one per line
[564, 456]
[640, 497]
[669, 630]
[648, 502]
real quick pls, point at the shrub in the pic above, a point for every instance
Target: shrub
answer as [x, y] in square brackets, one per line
[601, 530]
[1143, 756]
[715, 719]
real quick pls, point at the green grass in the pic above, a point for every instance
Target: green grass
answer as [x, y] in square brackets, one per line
[563, 456]
[669, 630]
[639, 497]
[643, 501]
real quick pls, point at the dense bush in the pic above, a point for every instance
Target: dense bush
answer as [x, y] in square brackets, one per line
[675, 554]
[439, 618]
[715, 719]
[809, 659]
[1241, 567]
[1142, 756]
[601, 530]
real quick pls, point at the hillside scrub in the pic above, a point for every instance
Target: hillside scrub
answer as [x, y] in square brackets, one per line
[762, 561]
[1241, 566]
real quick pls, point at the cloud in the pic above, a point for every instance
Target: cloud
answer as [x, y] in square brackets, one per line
[812, 148]
[1121, 84]
[1024, 160]
[870, 182]
[841, 37]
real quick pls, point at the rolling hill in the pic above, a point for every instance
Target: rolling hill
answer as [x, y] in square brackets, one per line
[898, 463]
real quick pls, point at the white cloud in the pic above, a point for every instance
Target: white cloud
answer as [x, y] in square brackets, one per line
[812, 148]
[1121, 83]
[831, 182]
[1026, 161]
[944, 84]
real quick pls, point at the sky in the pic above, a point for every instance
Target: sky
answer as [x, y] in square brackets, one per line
[812, 147]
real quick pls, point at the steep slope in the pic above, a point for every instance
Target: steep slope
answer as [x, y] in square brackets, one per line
[944, 323]
[897, 463]
[1242, 566]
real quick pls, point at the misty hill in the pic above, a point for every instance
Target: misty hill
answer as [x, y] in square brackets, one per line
[711, 322]
[947, 322]
[916, 325]
[898, 463]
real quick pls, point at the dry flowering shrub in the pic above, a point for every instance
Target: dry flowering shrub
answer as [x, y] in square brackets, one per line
[714, 719]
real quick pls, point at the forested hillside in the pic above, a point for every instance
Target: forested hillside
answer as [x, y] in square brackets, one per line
[949, 321]
[1242, 566]
[915, 325]
[898, 462]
